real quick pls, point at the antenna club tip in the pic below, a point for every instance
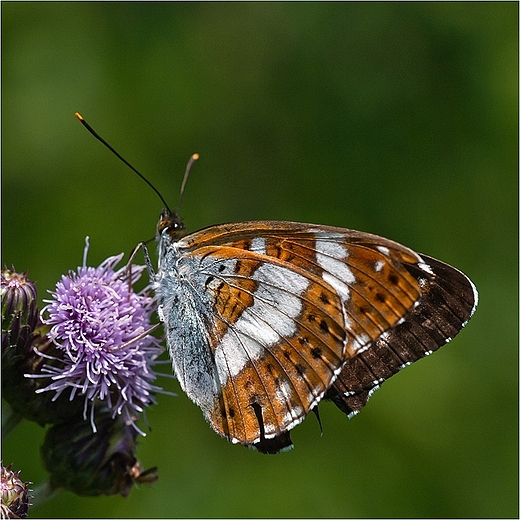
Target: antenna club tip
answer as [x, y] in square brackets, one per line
[79, 116]
[195, 156]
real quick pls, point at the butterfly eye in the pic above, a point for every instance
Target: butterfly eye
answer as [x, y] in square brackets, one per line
[177, 225]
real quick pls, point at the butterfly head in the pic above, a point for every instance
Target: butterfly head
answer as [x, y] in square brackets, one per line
[170, 224]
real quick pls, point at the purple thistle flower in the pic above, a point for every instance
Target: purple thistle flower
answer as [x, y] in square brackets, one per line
[102, 328]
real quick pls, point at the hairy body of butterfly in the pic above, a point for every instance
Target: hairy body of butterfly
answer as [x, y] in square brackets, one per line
[265, 319]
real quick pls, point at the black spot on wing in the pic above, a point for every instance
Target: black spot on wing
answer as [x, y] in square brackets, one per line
[272, 445]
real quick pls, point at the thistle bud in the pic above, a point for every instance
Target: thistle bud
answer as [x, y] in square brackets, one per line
[91, 464]
[19, 315]
[15, 498]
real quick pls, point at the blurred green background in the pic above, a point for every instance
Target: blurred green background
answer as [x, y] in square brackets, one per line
[399, 119]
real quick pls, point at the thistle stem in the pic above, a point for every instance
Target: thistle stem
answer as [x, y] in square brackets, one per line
[10, 420]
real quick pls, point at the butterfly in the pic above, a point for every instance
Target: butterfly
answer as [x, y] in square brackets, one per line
[265, 319]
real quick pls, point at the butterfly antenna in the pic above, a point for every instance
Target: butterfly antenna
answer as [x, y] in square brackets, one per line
[99, 138]
[191, 162]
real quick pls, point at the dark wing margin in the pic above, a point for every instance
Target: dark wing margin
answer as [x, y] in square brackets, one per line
[448, 301]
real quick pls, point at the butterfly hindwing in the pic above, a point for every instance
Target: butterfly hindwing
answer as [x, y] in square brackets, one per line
[448, 300]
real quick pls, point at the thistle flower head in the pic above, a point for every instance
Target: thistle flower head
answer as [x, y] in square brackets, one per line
[101, 326]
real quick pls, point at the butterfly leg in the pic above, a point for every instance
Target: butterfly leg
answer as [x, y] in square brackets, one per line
[149, 267]
[128, 270]
[147, 260]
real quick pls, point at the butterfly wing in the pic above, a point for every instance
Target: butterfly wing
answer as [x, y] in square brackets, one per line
[448, 300]
[276, 310]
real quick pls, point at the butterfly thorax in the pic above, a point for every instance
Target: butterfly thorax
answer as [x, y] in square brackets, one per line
[170, 229]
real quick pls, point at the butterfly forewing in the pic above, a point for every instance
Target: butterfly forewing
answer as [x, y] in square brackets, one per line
[281, 308]
[277, 348]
